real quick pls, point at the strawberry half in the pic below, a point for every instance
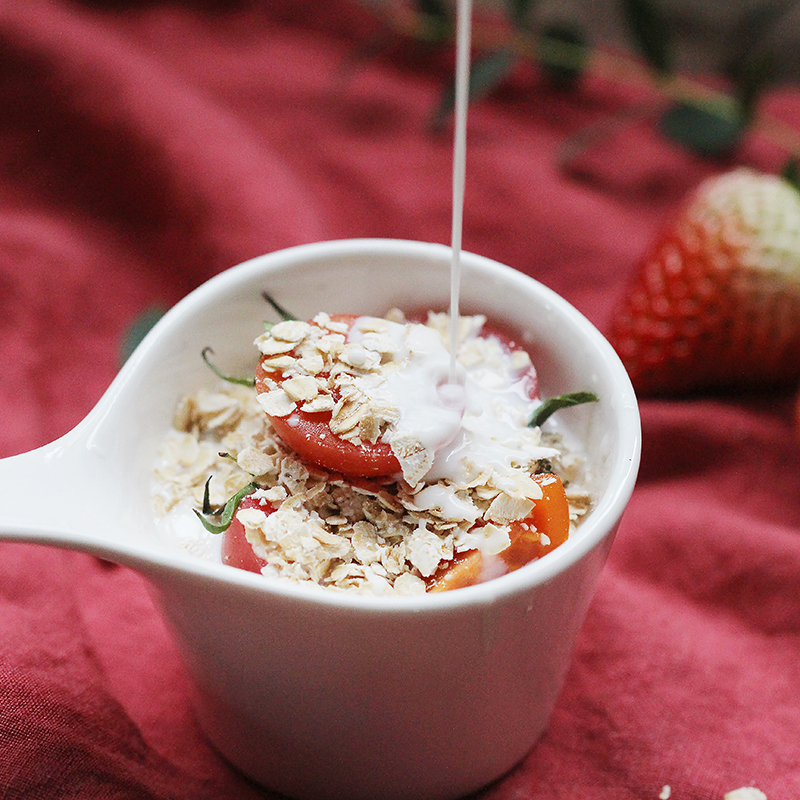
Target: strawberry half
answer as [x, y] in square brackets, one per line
[716, 304]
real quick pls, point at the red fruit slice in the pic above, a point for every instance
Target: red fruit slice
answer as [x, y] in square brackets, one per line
[236, 550]
[549, 519]
[310, 436]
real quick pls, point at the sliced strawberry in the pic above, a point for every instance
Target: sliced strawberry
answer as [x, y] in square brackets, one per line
[716, 304]
[309, 434]
[236, 550]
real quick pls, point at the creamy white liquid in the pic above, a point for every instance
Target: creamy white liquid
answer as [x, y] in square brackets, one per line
[463, 38]
[478, 422]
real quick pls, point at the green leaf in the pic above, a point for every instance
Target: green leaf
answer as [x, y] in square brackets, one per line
[519, 12]
[436, 14]
[229, 378]
[791, 172]
[553, 404]
[702, 131]
[751, 79]
[563, 53]
[486, 73]
[285, 315]
[489, 71]
[137, 331]
[650, 31]
[225, 515]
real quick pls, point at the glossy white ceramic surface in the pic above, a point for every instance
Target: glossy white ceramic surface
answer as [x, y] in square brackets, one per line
[319, 694]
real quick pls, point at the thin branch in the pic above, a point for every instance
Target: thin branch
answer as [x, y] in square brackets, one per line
[603, 64]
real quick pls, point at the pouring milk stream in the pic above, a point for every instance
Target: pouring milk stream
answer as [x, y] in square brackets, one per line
[463, 37]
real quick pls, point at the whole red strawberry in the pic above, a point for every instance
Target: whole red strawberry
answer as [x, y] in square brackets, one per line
[716, 305]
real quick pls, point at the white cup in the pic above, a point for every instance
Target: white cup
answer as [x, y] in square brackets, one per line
[321, 694]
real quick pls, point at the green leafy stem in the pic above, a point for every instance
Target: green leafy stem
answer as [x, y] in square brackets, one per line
[204, 354]
[553, 404]
[218, 520]
[238, 380]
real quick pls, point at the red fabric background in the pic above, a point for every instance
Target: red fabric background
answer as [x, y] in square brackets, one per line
[144, 147]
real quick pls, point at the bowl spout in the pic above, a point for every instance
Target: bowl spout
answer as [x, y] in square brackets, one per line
[37, 495]
[65, 494]
[51, 495]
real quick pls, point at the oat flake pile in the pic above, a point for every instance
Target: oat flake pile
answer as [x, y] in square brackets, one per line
[464, 464]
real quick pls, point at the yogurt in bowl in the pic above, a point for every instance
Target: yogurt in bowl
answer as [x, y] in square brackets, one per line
[322, 694]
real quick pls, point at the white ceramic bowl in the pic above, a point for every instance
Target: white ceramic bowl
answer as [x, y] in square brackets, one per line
[320, 694]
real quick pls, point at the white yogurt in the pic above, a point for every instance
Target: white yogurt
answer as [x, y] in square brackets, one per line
[477, 423]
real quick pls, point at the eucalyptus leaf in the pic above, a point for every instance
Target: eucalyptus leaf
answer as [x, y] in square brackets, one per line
[486, 73]
[436, 14]
[519, 12]
[791, 173]
[553, 404]
[649, 28]
[702, 131]
[563, 53]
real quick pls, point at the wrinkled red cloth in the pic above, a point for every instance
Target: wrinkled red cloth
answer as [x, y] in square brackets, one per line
[146, 146]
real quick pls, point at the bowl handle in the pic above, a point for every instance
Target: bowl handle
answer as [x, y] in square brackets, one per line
[46, 495]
